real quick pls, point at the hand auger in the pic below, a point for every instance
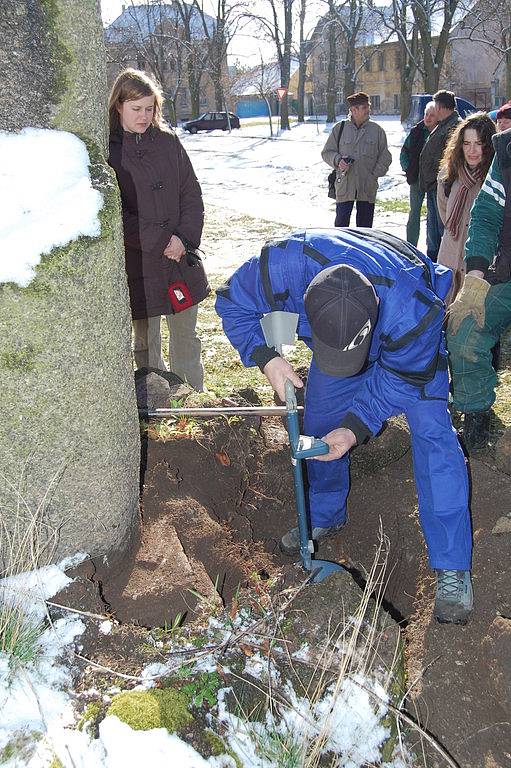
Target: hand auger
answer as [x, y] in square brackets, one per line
[303, 447]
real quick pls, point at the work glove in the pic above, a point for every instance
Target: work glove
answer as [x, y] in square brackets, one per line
[469, 301]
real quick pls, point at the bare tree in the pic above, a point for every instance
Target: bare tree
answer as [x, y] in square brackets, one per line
[488, 22]
[261, 81]
[428, 14]
[349, 17]
[167, 39]
[218, 37]
[302, 61]
[398, 21]
[279, 29]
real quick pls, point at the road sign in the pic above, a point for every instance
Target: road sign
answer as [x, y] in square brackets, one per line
[281, 92]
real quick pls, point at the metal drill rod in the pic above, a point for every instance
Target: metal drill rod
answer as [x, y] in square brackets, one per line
[163, 413]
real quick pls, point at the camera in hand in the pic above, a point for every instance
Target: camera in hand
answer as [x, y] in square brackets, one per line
[347, 159]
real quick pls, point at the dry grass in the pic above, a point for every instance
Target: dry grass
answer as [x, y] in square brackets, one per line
[27, 543]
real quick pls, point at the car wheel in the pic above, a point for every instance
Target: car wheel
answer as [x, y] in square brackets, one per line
[193, 129]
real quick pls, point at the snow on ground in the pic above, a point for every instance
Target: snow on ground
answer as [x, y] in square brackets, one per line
[46, 198]
[284, 179]
[37, 698]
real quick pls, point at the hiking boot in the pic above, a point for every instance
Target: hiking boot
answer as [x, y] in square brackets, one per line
[476, 430]
[454, 599]
[290, 542]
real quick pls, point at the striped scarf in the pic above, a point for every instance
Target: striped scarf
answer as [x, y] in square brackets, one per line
[468, 178]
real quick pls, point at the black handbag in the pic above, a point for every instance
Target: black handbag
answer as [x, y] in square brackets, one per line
[191, 285]
[333, 174]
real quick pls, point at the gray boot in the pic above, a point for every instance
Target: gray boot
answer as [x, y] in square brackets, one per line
[454, 599]
[290, 542]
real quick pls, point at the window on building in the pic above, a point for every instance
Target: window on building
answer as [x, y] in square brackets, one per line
[398, 59]
[367, 64]
[381, 61]
[338, 95]
[183, 100]
[203, 102]
[397, 101]
[375, 102]
[322, 63]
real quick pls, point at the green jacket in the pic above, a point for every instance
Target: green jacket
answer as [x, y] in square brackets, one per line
[486, 219]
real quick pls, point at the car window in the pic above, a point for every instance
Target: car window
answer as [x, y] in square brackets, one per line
[208, 116]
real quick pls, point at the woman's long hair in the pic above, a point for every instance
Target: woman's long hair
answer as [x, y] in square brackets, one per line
[130, 85]
[453, 157]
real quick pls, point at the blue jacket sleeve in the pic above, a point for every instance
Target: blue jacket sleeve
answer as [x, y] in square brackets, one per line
[241, 303]
[406, 364]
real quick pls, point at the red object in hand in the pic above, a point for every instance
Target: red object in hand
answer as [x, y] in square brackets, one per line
[180, 296]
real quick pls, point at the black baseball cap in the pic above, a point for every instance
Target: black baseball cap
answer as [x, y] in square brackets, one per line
[342, 308]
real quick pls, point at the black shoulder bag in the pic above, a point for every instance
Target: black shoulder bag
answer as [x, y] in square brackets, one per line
[333, 174]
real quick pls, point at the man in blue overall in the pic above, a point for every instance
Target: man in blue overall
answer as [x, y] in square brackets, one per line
[371, 308]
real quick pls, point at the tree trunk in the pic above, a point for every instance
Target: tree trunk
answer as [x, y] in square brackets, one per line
[302, 64]
[194, 86]
[331, 75]
[349, 74]
[69, 422]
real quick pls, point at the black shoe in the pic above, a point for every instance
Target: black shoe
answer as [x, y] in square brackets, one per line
[476, 430]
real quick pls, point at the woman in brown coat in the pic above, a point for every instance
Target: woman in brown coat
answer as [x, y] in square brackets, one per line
[163, 216]
[466, 159]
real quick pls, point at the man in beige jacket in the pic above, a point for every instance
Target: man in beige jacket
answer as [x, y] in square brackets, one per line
[357, 150]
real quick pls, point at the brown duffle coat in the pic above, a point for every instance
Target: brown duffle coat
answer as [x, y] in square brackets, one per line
[160, 197]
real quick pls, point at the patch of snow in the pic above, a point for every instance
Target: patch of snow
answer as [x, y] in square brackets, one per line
[303, 653]
[347, 718]
[106, 627]
[119, 746]
[46, 198]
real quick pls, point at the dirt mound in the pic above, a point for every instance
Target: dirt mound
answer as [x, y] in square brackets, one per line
[214, 507]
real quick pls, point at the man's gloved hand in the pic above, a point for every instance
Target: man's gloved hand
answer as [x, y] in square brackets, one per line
[277, 370]
[469, 301]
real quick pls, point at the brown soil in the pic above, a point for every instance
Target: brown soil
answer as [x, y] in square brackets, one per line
[214, 508]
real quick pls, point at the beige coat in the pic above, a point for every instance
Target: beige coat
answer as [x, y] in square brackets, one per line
[368, 146]
[452, 252]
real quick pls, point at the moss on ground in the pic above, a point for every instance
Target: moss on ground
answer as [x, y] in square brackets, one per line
[155, 708]
[90, 717]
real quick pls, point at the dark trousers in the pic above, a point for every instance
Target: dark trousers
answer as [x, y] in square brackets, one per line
[434, 225]
[365, 213]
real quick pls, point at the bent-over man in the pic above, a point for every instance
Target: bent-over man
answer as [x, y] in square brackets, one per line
[371, 308]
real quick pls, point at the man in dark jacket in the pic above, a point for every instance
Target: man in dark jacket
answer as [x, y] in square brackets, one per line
[409, 159]
[371, 308]
[429, 164]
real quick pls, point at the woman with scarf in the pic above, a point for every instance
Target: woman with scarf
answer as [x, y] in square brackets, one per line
[466, 160]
